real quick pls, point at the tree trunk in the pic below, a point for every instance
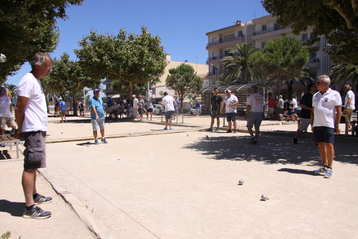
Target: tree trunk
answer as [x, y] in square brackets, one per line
[289, 87]
[74, 105]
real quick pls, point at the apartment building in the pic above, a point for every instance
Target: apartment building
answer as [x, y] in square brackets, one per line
[260, 31]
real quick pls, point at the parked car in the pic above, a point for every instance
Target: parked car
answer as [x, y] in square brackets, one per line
[193, 110]
[157, 109]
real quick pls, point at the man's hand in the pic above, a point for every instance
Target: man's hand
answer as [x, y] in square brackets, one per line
[337, 130]
[18, 134]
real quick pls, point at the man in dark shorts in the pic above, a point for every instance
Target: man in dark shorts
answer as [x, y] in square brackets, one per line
[325, 122]
[31, 118]
[216, 105]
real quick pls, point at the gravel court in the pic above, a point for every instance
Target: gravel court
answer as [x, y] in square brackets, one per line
[185, 186]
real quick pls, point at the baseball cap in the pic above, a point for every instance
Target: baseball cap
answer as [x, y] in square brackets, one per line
[165, 93]
[133, 95]
[95, 90]
[227, 91]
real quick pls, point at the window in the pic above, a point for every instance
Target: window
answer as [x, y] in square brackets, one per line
[227, 53]
[263, 45]
[240, 34]
[229, 37]
[264, 27]
[304, 37]
[313, 54]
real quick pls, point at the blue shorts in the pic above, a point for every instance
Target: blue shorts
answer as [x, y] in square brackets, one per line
[96, 123]
[169, 115]
[294, 111]
[323, 135]
[231, 117]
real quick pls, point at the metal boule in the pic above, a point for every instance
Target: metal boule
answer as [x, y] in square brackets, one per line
[241, 182]
[264, 197]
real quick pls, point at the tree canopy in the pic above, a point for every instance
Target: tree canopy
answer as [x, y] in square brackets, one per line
[129, 58]
[183, 80]
[337, 20]
[237, 64]
[67, 76]
[27, 27]
[281, 60]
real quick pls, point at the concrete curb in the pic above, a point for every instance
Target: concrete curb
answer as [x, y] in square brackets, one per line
[83, 213]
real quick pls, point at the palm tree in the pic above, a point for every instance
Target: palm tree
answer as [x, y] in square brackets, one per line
[343, 72]
[238, 64]
[12, 88]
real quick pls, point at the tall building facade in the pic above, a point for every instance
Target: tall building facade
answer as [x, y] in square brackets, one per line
[260, 31]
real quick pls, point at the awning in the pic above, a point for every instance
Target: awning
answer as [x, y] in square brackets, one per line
[116, 96]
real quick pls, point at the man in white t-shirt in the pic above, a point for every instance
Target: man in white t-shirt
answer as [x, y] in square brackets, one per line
[230, 103]
[170, 105]
[6, 117]
[325, 118]
[294, 108]
[135, 108]
[349, 105]
[254, 113]
[31, 118]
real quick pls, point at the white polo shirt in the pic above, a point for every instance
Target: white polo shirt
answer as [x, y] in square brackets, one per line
[35, 118]
[325, 108]
[350, 95]
[257, 103]
[5, 107]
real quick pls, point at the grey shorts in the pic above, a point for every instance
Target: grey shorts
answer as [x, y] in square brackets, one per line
[96, 123]
[254, 118]
[9, 121]
[215, 113]
[169, 115]
[141, 111]
[304, 124]
[35, 152]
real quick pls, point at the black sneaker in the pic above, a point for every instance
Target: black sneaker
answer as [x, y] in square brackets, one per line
[295, 140]
[209, 130]
[38, 199]
[36, 213]
[229, 131]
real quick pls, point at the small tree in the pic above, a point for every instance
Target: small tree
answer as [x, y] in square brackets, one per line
[281, 60]
[183, 80]
[68, 76]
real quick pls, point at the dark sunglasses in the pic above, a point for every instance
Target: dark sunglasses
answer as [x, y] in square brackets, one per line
[2, 91]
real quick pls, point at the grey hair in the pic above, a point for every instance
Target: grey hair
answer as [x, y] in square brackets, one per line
[325, 79]
[348, 87]
[39, 59]
[254, 88]
[280, 96]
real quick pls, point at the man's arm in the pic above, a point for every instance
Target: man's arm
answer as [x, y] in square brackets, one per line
[305, 107]
[20, 114]
[221, 104]
[338, 119]
[248, 109]
[312, 117]
[95, 112]
[348, 101]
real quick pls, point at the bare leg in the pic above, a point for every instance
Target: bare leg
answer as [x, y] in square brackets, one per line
[234, 123]
[102, 132]
[218, 122]
[212, 123]
[229, 123]
[95, 134]
[29, 185]
[250, 132]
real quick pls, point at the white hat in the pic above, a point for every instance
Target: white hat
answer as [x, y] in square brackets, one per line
[133, 95]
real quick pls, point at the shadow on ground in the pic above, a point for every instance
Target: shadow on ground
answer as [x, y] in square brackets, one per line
[271, 150]
[16, 209]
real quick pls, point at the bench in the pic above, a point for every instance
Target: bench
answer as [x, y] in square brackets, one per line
[8, 139]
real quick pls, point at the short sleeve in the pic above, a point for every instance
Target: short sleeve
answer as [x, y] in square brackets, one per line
[25, 88]
[338, 100]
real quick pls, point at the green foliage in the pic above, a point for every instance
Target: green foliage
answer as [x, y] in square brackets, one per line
[131, 59]
[67, 76]
[27, 27]
[12, 88]
[337, 20]
[238, 64]
[183, 80]
[6, 235]
[343, 72]
[281, 60]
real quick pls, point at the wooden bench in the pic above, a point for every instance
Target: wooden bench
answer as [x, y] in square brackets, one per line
[8, 139]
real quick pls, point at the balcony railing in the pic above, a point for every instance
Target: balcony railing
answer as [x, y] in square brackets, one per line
[312, 60]
[214, 72]
[271, 29]
[225, 40]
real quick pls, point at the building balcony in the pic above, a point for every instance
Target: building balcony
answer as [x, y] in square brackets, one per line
[107, 82]
[213, 75]
[214, 60]
[270, 32]
[225, 43]
[313, 63]
[314, 47]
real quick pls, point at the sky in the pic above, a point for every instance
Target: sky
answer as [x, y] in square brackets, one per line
[181, 25]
